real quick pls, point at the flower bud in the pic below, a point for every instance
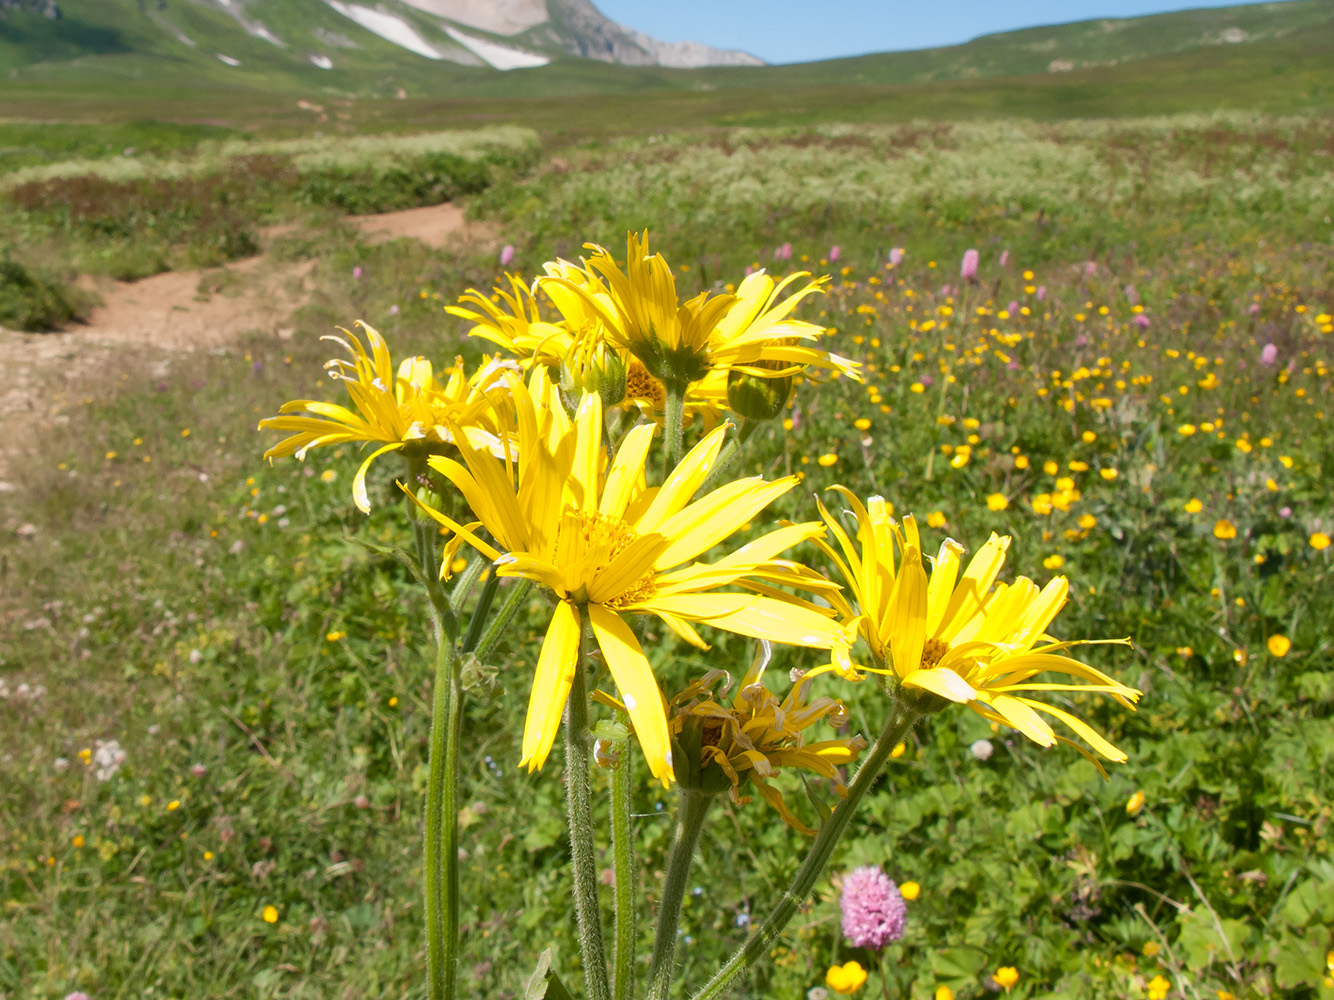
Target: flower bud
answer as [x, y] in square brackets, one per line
[757, 398]
[598, 370]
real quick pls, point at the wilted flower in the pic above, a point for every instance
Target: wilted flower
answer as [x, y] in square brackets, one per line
[874, 913]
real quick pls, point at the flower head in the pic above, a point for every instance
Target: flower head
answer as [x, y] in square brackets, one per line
[757, 736]
[592, 532]
[846, 979]
[873, 909]
[966, 639]
[408, 410]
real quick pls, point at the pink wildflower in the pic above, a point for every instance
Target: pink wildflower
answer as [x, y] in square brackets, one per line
[507, 255]
[1141, 321]
[1090, 269]
[1042, 293]
[1004, 258]
[834, 254]
[1268, 354]
[356, 272]
[873, 909]
[896, 255]
[968, 269]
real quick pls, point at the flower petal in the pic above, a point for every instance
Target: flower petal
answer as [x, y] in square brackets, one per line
[551, 685]
[639, 689]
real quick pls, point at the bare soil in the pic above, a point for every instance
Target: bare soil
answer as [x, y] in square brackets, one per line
[168, 315]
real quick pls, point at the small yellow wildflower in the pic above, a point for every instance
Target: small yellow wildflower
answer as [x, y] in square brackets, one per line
[208, 855]
[1087, 521]
[1151, 949]
[1020, 462]
[1158, 988]
[1006, 976]
[1054, 561]
[1319, 541]
[862, 424]
[910, 891]
[944, 993]
[1089, 437]
[78, 840]
[270, 914]
[936, 519]
[336, 635]
[997, 501]
[1186, 430]
[828, 459]
[846, 979]
[85, 755]
[173, 805]
[1279, 645]
[1193, 506]
[1050, 467]
[1108, 474]
[1224, 529]
[899, 750]
[1134, 806]
[328, 475]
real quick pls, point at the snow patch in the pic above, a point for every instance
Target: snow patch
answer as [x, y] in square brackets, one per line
[497, 55]
[323, 62]
[387, 26]
[259, 31]
[499, 17]
[228, 59]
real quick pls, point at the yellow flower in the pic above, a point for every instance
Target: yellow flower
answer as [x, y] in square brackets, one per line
[759, 734]
[78, 840]
[270, 914]
[936, 519]
[679, 343]
[1279, 645]
[910, 891]
[997, 501]
[1193, 506]
[1086, 521]
[410, 410]
[968, 640]
[515, 325]
[1158, 988]
[1135, 804]
[1225, 529]
[1319, 541]
[1006, 976]
[846, 979]
[1054, 561]
[944, 993]
[1186, 430]
[1108, 474]
[606, 546]
[1020, 462]
[1151, 949]
[828, 459]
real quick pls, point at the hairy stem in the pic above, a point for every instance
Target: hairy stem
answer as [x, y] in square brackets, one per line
[579, 802]
[623, 848]
[900, 720]
[693, 807]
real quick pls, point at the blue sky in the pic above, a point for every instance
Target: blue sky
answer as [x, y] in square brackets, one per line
[800, 30]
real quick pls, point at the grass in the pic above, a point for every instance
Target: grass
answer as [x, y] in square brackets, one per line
[133, 217]
[268, 678]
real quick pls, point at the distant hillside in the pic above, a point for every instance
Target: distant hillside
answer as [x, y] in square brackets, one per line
[559, 48]
[353, 46]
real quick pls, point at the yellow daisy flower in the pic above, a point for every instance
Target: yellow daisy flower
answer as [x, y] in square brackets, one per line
[605, 544]
[759, 734]
[965, 639]
[679, 343]
[513, 323]
[408, 410]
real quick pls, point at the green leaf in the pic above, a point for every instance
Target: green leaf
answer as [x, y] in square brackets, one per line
[1299, 960]
[1205, 940]
[958, 963]
[544, 983]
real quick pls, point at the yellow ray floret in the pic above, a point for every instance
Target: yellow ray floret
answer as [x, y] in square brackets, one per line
[408, 409]
[959, 634]
[605, 544]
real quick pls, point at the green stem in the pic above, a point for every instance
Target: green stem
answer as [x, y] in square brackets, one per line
[675, 429]
[579, 802]
[900, 721]
[518, 594]
[442, 834]
[689, 824]
[728, 455]
[623, 849]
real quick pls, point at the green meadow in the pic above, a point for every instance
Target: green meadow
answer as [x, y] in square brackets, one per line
[215, 687]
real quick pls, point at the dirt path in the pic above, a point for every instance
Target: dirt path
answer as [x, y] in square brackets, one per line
[171, 314]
